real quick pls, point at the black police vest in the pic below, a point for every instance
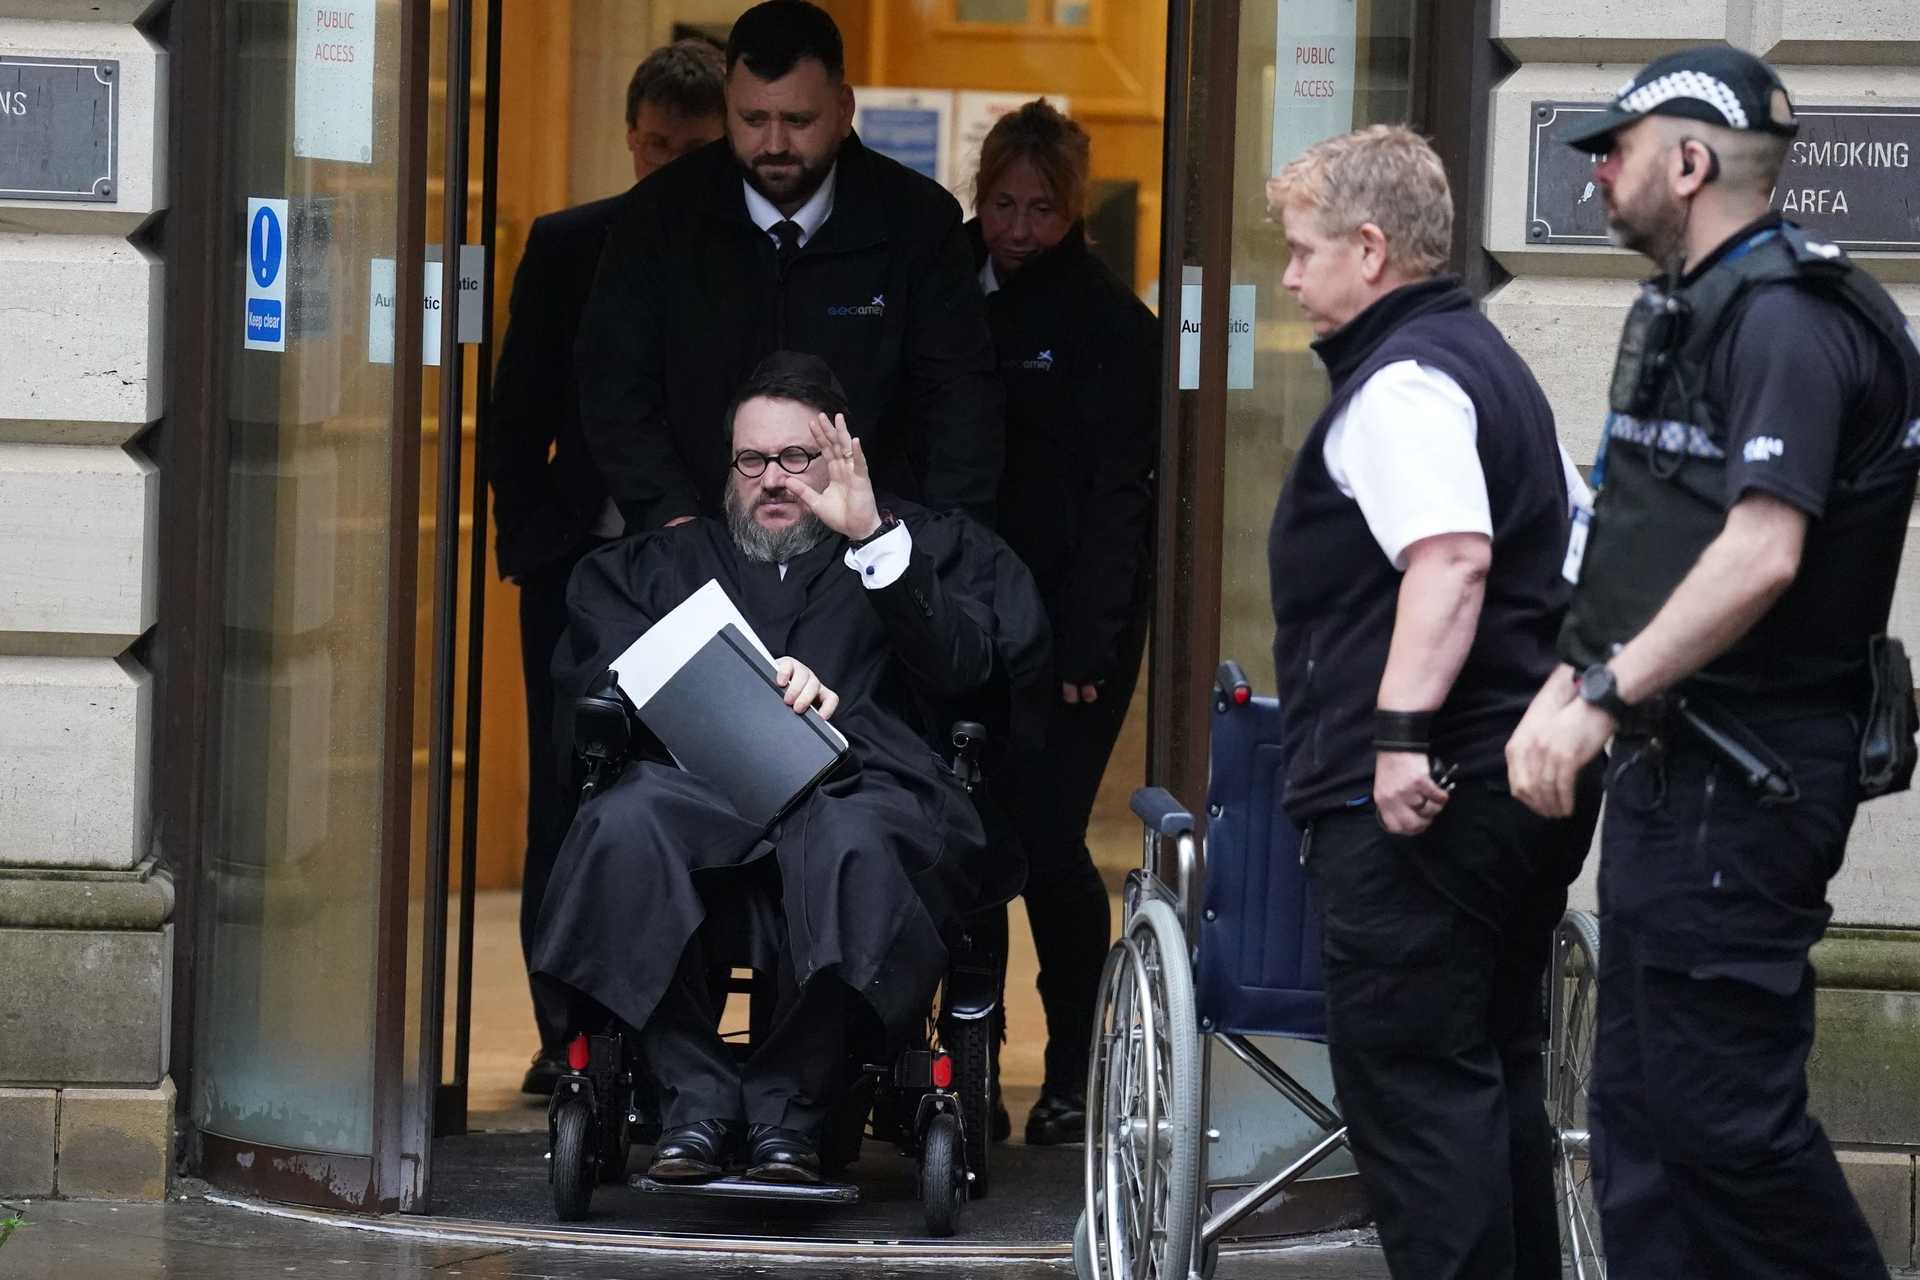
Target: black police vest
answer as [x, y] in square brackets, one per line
[1664, 495]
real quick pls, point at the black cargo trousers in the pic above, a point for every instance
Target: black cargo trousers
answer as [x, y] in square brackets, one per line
[1706, 1163]
[1436, 948]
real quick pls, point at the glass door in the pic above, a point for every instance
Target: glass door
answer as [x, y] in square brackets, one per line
[312, 1081]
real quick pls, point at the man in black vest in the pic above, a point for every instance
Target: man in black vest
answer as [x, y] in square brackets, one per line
[550, 503]
[1756, 480]
[1414, 559]
[790, 235]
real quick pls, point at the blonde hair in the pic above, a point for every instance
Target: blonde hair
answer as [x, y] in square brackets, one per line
[1057, 148]
[1385, 174]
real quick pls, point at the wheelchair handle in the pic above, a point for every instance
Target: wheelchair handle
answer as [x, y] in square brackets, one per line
[1156, 807]
[1231, 688]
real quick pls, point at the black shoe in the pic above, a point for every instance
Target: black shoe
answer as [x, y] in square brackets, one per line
[1057, 1118]
[781, 1155]
[548, 1066]
[696, 1152]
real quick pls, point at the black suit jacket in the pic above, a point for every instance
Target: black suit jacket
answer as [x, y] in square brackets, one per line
[690, 297]
[547, 492]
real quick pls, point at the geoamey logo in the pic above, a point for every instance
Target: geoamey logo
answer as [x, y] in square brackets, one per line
[878, 307]
[1041, 363]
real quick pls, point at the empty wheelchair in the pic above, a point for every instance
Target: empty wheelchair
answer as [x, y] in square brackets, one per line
[1219, 949]
[932, 1102]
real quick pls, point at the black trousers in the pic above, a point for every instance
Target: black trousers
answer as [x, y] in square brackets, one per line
[793, 1077]
[1048, 800]
[551, 798]
[1435, 952]
[1706, 1163]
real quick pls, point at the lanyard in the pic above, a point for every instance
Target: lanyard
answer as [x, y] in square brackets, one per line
[1598, 477]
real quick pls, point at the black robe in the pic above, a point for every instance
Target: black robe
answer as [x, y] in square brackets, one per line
[884, 856]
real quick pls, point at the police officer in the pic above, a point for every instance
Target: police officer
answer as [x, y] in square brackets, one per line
[1755, 484]
[788, 235]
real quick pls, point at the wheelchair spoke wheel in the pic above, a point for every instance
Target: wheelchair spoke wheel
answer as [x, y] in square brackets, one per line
[1143, 1106]
[1572, 988]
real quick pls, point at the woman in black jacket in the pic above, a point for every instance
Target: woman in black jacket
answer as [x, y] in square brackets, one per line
[1079, 355]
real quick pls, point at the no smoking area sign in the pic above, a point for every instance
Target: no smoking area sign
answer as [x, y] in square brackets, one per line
[266, 318]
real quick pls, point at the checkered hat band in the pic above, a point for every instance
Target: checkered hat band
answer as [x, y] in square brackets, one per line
[1685, 84]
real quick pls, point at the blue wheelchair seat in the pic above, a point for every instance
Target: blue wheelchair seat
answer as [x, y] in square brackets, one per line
[1259, 969]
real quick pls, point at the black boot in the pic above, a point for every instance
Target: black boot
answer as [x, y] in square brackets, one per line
[544, 1073]
[1057, 1118]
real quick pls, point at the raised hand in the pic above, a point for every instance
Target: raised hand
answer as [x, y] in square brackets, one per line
[846, 505]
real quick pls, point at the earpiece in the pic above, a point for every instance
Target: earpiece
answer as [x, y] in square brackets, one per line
[1686, 160]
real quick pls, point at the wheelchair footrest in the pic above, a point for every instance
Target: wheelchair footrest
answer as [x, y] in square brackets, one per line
[747, 1189]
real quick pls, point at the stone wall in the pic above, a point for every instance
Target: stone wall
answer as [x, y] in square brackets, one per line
[1563, 309]
[86, 1105]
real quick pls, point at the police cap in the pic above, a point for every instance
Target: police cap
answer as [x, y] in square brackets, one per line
[1713, 84]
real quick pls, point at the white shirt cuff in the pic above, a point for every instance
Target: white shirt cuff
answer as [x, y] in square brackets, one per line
[881, 562]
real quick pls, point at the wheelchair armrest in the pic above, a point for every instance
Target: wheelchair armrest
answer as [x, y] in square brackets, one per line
[1156, 807]
[967, 737]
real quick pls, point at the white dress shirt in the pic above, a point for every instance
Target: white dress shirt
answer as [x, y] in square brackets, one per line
[809, 215]
[1405, 448]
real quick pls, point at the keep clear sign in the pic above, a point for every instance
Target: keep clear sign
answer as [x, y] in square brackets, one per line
[1312, 74]
[266, 315]
[333, 50]
[381, 294]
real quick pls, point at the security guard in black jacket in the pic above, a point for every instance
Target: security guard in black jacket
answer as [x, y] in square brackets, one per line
[1080, 357]
[1731, 591]
[788, 235]
[550, 505]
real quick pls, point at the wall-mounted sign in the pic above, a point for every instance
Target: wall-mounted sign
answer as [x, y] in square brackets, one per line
[380, 300]
[1240, 308]
[266, 314]
[909, 125]
[333, 50]
[60, 129]
[1312, 74]
[1853, 174]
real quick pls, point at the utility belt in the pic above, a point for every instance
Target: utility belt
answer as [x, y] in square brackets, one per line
[1886, 754]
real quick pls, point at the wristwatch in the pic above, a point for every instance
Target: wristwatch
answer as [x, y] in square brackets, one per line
[887, 525]
[1598, 688]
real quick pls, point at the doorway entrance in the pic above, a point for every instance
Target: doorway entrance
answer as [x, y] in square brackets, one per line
[360, 1009]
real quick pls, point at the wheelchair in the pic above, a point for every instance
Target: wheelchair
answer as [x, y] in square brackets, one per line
[933, 1102]
[1225, 946]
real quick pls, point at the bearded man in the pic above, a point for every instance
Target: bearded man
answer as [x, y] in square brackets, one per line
[788, 235]
[889, 620]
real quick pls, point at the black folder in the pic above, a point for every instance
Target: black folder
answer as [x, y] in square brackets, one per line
[725, 721]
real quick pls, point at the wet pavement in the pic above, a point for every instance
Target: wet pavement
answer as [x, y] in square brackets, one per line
[208, 1240]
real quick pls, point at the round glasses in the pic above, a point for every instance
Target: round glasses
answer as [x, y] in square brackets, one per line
[793, 460]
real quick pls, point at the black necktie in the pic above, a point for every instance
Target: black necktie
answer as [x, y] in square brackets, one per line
[787, 231]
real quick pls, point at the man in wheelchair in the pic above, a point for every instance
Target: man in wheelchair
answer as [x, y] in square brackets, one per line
[890, 620]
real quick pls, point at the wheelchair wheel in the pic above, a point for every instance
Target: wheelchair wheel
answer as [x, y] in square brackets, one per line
[1143, 1105]
[967, 1043]
[1084, 1267]
[940, 1176]
[572, 1169]
[1572, 985]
